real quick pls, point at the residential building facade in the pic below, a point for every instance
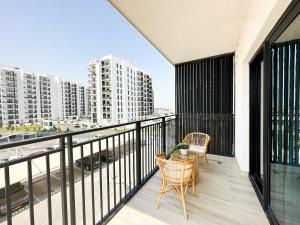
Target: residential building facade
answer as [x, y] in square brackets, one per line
[9, 109]
[27, 97]
[119, 91]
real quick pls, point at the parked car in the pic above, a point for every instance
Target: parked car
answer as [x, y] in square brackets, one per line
[11, 157]
[87, 162]
[18, 195]
[108, 158]
[52, 148]
[4, 160]
[76, 125]
[37, 153]
[99, 136]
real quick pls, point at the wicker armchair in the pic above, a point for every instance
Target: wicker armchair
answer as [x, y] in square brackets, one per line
[176, 176]
[198, 143]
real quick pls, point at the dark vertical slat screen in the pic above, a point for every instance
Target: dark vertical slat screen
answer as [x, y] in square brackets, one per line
[204, 101]
[286, 91]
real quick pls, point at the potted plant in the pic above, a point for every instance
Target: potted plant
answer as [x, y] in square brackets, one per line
[180, 147]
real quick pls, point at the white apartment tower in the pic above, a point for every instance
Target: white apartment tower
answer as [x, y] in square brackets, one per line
[70, 96]
[113, 87]
[27, 97]
[144, 94]
[9, 110]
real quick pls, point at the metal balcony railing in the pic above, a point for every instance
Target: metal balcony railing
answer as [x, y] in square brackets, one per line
[122, 162]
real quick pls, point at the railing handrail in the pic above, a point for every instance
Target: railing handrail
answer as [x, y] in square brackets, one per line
[64, 135]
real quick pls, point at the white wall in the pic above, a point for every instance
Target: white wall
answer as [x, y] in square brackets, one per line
[263, 15]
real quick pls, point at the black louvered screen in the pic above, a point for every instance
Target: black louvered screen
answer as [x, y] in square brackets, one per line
[286, 101]
[204, 101]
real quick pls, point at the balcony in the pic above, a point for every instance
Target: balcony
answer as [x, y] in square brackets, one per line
[237, 78]
[124, 168]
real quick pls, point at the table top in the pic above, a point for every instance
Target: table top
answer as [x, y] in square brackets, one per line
[180, 157]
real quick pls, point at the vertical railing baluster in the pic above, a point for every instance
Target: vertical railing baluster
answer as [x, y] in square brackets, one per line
[144, 153]
[114, 169]
[63, 182]
[133, 158]
[129, 161]
[152, 146]
[163, 135]
[142, 157]
[92, 182]
[120, 172]
[125, 173]
[159, 138]
[30, 192]
[148, 150]
[107, 177]
[138, 153]
[7, 196]
[49, 190]
[82, 186]
[155, 144]
[100, 179]
[71, 180]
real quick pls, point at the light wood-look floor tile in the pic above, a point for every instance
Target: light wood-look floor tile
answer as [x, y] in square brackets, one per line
[224, 195]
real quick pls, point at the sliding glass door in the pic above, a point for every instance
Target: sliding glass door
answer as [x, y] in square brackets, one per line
[275, 120]
[284, 158]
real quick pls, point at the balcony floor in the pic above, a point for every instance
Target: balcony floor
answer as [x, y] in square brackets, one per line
[224, 195]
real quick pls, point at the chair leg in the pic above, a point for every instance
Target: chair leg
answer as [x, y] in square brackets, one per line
[183, 203]
[204, 162]
[158, 200]
[160, 194]
[193, 184]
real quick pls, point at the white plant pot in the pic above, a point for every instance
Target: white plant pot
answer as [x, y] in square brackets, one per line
[183, 151]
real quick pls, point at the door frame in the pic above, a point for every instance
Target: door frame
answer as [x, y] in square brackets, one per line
[255, 120]
[285, 20]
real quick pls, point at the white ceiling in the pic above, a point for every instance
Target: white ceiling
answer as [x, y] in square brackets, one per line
[185, 30]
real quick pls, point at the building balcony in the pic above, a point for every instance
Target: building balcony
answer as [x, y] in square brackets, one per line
[238, 82]
[127, 170]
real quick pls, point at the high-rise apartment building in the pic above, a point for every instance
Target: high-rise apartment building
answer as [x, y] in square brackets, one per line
[145, 98]
[70, 97]
[28, 97]
[115, 86]
[9, 108]
[82, 101]
[117, 92]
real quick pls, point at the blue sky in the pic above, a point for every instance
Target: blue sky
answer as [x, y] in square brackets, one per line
[59, 37]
